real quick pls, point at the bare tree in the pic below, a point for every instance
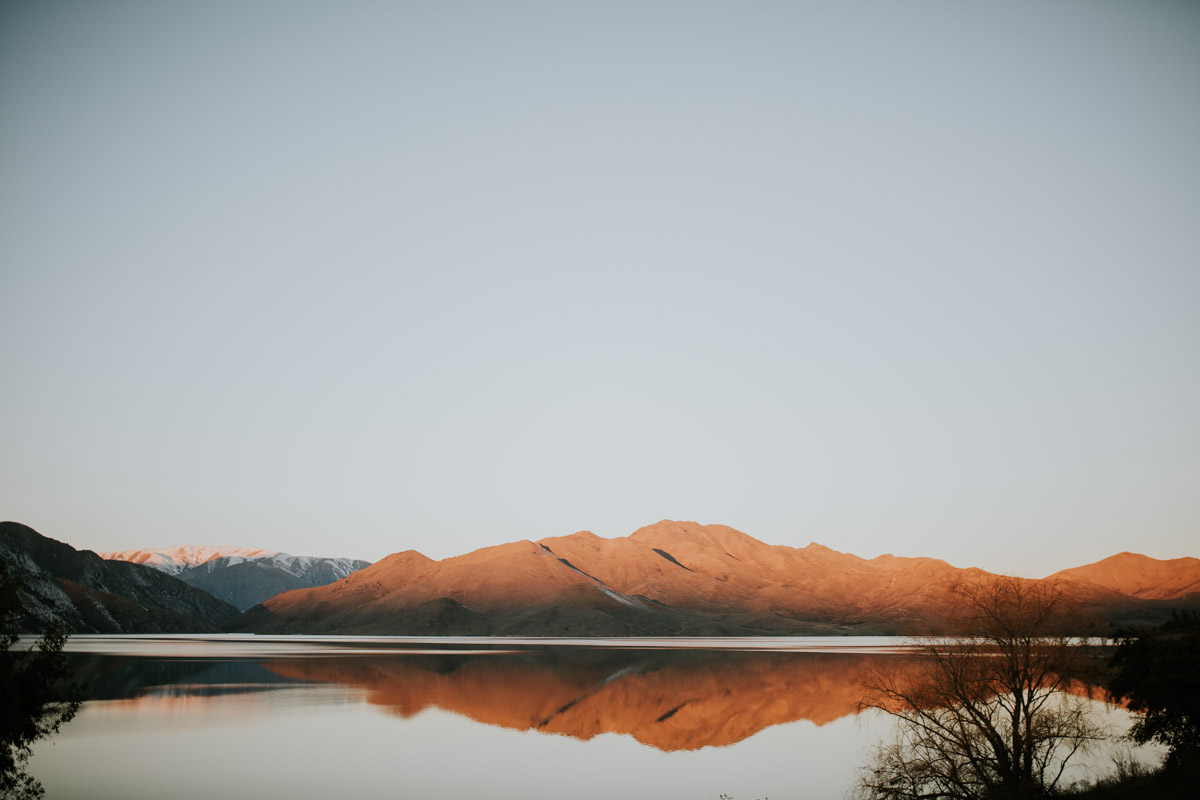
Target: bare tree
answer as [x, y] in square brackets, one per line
[989, 717]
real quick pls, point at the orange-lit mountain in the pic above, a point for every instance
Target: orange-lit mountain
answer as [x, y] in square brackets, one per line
[1140, 576]
[671, 578]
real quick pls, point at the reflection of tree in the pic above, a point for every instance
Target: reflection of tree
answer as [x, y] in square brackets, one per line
[30, 706]
[989, 717]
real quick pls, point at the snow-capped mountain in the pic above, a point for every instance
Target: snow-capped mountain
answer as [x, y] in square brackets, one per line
[299, 566]
[243, 576]
[174, 560]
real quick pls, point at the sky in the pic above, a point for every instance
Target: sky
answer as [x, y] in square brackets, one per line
[351, 278]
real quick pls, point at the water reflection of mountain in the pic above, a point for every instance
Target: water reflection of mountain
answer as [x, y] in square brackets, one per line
[124, 678]
[668, 700]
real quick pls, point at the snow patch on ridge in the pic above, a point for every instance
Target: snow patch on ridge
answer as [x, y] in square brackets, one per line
[620, 598]
[174, 560]
[177, 560]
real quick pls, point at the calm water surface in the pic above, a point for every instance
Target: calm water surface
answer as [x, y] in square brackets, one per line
[252, 716]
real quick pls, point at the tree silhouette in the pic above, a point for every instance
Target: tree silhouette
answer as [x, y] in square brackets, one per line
[31, 704]
[1158, 672]
[988, 717]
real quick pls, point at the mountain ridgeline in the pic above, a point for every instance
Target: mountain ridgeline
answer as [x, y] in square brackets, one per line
[178, 560]
[673, 578]
[242, 576]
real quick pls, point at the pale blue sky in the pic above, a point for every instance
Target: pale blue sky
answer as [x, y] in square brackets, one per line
[351, 278]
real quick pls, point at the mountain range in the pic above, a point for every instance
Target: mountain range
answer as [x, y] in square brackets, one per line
[682, 578]
[241, 576]
[670, 578]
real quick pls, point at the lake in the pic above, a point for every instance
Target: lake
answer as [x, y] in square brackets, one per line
[493, 718]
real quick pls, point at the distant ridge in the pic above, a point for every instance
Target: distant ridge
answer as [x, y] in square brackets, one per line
[670, 578]
[242, 576]
[174, 560]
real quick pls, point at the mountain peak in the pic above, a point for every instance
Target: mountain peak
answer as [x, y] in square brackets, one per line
[1127, 555]
[665, 526]
[406, 557]
[1140, 576]
[667, 531]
